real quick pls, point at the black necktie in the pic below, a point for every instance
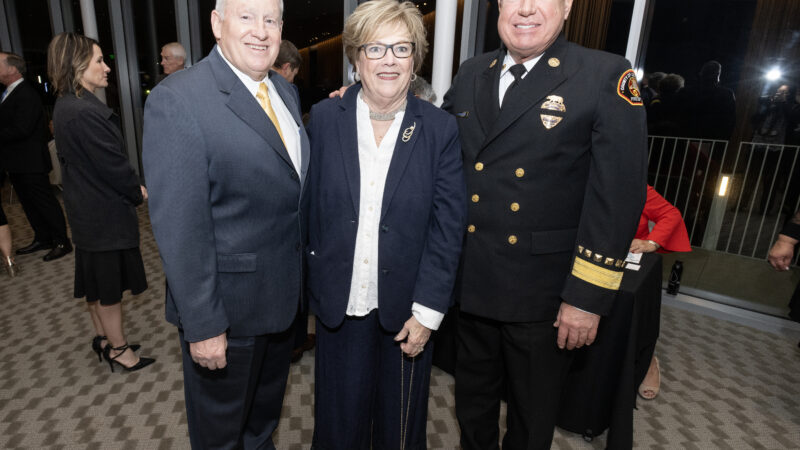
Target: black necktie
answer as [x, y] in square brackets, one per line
[517, 70]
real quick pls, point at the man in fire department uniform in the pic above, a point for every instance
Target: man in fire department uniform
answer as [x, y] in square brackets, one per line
[554, 143]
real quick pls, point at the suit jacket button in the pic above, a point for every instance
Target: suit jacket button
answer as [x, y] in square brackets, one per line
[476, 198]
[512, 240]
[515, 206]
[384, 228]
[471, 228]
[479, 166]
[519, 173]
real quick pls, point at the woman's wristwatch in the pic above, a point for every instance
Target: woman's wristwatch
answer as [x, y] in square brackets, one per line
[654, 243]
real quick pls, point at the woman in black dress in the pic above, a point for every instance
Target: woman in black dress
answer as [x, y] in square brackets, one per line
[101, 192]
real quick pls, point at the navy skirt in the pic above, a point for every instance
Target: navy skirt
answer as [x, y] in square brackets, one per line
[104, 276]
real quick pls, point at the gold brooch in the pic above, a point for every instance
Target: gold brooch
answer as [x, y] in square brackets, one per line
[408, 132]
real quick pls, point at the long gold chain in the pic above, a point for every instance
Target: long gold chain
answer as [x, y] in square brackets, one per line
[404, 417]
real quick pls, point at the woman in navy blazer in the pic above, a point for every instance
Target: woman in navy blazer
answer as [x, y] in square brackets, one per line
[388, 211]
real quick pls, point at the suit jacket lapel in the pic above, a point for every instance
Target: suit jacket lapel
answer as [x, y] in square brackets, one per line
[245, 106]
[487, 106]
[290, 101]
[348, 142]
[410, 130]
[532, 90]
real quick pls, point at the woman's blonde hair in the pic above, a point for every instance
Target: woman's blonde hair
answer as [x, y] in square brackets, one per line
[367, 20]
[68, 56]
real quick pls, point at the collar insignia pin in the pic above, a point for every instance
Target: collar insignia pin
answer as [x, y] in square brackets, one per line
[553, 62]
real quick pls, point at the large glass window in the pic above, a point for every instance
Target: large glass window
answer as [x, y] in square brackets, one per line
[35, 34]
[724, 119]
[153, 29]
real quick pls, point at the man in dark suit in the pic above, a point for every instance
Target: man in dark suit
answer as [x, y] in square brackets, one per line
[24, 155]
[225, 158]
[553, 137]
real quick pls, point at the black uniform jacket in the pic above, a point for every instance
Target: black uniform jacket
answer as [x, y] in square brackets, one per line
[556, 182]
[101, 190]
[23, 140]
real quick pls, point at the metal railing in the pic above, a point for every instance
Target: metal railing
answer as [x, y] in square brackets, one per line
[733, 201]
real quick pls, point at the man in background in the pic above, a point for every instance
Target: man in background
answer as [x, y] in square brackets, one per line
[173, 58]
[24, 155]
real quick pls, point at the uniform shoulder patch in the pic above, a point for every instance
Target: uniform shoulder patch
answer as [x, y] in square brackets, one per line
[628, 88]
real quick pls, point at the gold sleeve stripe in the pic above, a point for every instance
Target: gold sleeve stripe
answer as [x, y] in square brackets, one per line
[598, 276]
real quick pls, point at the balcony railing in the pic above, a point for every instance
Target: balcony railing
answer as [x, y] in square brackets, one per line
[733, 201]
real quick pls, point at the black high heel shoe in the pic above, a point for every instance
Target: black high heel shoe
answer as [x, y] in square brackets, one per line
[98, 348]
[143, 362]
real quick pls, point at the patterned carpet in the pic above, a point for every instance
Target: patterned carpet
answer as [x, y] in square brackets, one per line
[724, 385]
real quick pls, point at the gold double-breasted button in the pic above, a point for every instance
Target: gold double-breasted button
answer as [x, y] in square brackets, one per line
[471, 228]
[519, 172]
[476, 198]
[479, 166]
[515, 206]
[512, 240]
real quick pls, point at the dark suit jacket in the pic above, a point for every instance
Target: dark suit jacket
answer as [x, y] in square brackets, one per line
[556, 182]
[101, 190]
[422, 217]
[23, 139]
[225, 203]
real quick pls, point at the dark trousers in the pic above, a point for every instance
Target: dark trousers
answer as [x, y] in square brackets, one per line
[238, 406]
[41, 207]
[523, 360]
[368, 395]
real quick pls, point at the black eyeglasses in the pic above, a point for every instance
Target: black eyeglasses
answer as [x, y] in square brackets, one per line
[374, 50]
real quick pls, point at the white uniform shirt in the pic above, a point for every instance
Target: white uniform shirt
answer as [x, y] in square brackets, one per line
[506, 77]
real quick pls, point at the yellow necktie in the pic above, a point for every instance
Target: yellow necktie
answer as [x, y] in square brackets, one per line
[263, 99]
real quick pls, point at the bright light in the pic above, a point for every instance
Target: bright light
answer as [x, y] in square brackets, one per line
[774, 74]
[40, 79]
[723, 186]
[639, 74]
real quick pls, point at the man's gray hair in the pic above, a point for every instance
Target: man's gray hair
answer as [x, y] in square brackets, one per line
[220, 8]
[176, 49]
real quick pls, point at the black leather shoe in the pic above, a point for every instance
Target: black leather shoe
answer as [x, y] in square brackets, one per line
[58, 251]
[34, 246]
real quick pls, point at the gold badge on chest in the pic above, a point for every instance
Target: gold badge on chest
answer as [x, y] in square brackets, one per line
[553, 103]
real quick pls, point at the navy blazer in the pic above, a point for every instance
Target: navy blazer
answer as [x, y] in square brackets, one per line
[226, 203]
[423, 213]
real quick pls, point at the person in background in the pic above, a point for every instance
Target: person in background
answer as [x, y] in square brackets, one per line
[288, 62]
[8, 263]
[173, 58]
[668, 234]
[23, 154]
[386, 222]
[423, 90]
[781, 255]
[709, 109]
[101, 192]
